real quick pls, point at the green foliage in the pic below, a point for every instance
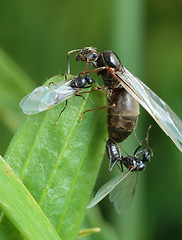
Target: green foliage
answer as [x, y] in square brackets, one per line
[59, 163]
[19, 206]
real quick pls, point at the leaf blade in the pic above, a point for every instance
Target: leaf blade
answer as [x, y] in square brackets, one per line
[14, 195]
[57, 163]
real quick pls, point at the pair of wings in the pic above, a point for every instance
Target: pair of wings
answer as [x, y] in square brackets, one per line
[156, 107]
[45, 97]
[121, 188]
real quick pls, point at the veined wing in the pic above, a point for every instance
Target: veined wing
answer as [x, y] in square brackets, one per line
[107, 188]
[122, 194]
[45, 97]
[157, 108]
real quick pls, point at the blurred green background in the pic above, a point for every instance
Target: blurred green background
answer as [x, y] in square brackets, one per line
[147, 36]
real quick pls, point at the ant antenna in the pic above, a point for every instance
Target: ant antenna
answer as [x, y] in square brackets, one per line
[147, 138]
[68, 62]
[146, 143]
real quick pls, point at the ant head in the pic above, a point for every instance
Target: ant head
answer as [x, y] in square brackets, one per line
[147, 155]
[140, 165]
[88, 54]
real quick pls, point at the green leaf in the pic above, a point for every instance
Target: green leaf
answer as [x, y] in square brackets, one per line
[18, 204]
[59, 163]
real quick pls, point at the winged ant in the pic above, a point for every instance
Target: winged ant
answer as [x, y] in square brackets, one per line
[121, 189]
[116, 76]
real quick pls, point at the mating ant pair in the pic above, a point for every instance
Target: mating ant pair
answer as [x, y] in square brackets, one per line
[124, 93]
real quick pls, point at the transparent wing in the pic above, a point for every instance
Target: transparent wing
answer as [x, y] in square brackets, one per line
[157, 108]
[45, 97]
[122, 194]
[107, 188]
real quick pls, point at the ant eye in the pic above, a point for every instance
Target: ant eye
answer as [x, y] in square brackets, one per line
[93, 57]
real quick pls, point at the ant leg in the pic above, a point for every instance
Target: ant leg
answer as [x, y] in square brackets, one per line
[66, 103]
[112, 164]
[136, 151]
[95, 70]
[120, 166]
[94, 109]
[52, 83]
[79, 95]
[137, 139]
[65, 75]
[87, 87]
[92, 90]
